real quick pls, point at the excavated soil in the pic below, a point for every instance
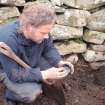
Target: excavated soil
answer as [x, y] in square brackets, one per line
[79, 89]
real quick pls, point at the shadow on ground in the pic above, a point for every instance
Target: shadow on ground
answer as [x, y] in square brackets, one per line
[79, 89]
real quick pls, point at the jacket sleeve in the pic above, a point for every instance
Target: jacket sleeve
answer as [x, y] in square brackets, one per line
[18, 74]
[50, 52]
[14, 71]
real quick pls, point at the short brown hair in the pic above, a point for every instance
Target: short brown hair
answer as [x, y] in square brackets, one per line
[37, 15]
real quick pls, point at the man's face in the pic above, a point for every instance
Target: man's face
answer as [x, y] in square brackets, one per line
[39, 34]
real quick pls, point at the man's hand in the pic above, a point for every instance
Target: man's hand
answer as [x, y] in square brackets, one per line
[61, 63]
[54, 73]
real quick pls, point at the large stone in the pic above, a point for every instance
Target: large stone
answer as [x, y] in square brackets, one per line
[70, 3]
[47, 2]
[92, 56]
[8, 12]
[57, 2]
[97, 47]
[90, 4]
[59, 9]
[61, 20]
[38, 1]
[84, 4]
[94, 37]
[65, 32]
[73, 58]
[70, 47]
[74, 17]
[97, 21]
[13, 2]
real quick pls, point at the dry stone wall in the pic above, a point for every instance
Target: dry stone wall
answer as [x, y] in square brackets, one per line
[79, 28]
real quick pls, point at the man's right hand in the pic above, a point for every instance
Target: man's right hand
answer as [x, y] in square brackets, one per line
[54, 73]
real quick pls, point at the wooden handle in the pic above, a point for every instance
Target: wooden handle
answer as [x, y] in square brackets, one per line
[6, 50]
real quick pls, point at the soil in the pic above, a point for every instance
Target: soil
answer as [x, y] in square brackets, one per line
[79, 89]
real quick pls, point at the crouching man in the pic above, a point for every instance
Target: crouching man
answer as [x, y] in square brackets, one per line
[29, 37]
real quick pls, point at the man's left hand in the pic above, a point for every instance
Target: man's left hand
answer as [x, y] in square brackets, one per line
[61, 63]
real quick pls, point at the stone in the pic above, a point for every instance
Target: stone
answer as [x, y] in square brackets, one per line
[97, 21]
[41, 1]
[90, 4]
[70, 3]
[49, 4]
[97, 47]
[57, 2]
[92, 56]
[8, 12]
[65, 32]
[61, 20]
[59, 10]
[74, 18]
[84, 4]
[13, 2]
[94, 37]
[73, 58]
[70, 47]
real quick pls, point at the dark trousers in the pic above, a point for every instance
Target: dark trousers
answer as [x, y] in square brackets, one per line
[25, 92]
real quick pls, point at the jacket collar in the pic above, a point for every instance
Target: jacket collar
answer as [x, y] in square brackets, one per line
[21, 38]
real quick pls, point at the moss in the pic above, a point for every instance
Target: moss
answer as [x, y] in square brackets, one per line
[72, 20]
[8, 20]
[79, 40]
[11, 19]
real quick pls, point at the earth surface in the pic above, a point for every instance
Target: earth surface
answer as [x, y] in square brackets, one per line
[79, 88]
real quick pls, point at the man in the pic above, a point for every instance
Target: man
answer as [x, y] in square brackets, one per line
[30, 39]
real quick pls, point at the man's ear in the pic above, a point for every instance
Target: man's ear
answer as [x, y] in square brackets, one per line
[29, 27]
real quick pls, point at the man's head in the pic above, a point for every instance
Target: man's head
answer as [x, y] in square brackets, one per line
[37, 21]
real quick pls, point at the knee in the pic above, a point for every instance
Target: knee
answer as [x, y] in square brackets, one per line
[34, 95]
